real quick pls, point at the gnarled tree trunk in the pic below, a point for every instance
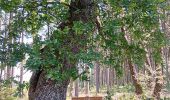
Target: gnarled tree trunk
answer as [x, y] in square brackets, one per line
[42, 88]
[46, 89]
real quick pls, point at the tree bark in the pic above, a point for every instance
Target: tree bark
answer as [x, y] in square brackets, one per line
[165, 50]
[21, 70]
[71, 88]
[158, 83]
[138, 87]
[108, 78]
[76, 88]
[111, 77]
[42, 88]
[46, 89]
[97, 77]
[101, 77]
[86, 81]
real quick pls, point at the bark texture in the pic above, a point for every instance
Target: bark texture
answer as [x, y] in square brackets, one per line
[46, 89]
[138, 87]
[42, 88]
[97, 76]
[158, 84]
[76, 89]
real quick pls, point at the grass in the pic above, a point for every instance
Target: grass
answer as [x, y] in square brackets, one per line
[117, 93]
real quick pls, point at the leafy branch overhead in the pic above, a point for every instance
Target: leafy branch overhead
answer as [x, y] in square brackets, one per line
[116, 30]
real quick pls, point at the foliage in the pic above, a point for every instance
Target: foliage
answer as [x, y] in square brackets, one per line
[127, 29]
[20, 88]
[131, 28]
[7, 93]
[109, 96]
[128, 88]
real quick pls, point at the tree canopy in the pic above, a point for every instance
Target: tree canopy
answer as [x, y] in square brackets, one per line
[108, 31]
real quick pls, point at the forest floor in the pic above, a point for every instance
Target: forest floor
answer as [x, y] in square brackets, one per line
[120, 95]
[116, 96]
[123, 96]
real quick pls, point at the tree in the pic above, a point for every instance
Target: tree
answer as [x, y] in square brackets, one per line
[42, 88]
[123, 29]
[97, 76]
[21, 70]
[137, 85]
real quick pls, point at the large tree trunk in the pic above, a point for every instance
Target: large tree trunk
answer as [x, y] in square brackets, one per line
[46, 89]
[42, 88]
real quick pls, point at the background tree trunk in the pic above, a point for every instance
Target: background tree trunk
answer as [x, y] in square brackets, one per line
[21, 70]
[97, 76]
[158, 83]
[108, 78]
[76, 88]
[87, 81]
[71, 88]
[138, 87]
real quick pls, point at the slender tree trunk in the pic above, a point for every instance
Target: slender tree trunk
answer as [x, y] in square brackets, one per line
[167, 67]
[164, 24]
[9, 67]
[87, 82]
[76, 88]
[71, 88]
[97, 76]
[158, 84]
[149, 69]
[101, 77]
[114, 77]
[158, 80]
[8, 72]
[138, 87]
[111, 77]
[21, 79]
[107, 77]
[1, 70]
[21, 69]
[4, 45]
